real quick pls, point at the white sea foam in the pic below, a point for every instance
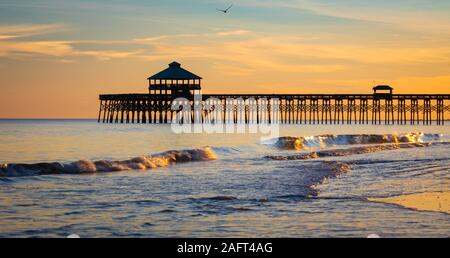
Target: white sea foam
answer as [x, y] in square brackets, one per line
[88, 166]
[299, 143]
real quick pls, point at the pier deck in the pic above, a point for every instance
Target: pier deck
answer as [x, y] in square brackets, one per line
[423, 109]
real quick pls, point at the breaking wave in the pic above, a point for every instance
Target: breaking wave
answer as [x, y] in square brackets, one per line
[314, 175]
[349, 151]
[299, 143]
[88, 166]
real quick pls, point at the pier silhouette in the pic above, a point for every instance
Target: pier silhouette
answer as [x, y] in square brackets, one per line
[165, 87]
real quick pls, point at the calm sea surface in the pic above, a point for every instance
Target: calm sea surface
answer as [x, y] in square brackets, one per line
[242, 193]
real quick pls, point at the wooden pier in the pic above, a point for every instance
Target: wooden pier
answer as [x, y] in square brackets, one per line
[293, 108]
[175, 82]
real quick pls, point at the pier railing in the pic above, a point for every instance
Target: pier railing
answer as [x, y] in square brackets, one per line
[291, 108]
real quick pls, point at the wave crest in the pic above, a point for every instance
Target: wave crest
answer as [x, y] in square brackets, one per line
[349, 151]
[88, 166]
[299, 143]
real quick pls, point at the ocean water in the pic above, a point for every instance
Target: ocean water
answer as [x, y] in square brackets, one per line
[62, 177]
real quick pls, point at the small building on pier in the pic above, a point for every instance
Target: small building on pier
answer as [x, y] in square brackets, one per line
[385, 90]
[174, 82]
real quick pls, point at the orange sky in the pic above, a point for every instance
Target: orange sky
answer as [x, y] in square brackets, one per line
[55, 58]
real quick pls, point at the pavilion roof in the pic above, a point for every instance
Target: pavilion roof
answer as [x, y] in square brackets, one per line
[174, 72]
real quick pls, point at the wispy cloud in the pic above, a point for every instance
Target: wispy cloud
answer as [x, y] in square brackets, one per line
[232, 33]
[59, 49]
[108, 54]
[12, 43]
[224, 33]
[24, 30]
[163, 37]
[50, 48]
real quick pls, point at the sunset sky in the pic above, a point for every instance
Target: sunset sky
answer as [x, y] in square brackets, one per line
[57, 56]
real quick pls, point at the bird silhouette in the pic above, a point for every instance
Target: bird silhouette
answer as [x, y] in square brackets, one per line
[226, 10]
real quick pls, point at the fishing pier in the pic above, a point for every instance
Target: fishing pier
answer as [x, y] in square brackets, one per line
[168, 86]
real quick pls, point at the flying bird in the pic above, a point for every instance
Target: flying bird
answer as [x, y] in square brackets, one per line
[226, 10]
